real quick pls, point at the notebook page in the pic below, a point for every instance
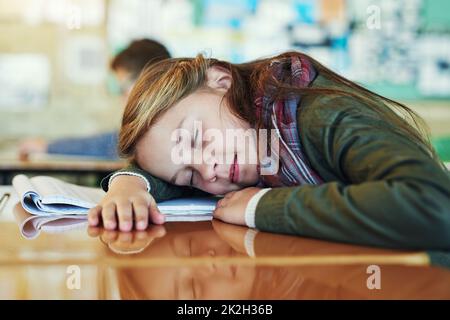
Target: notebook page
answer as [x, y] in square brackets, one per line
[187, 217]
[31, 225]
[188, 205]
[53, 191]
[188, 209]
[22, 185]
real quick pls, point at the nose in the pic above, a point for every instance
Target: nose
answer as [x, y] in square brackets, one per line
[208, 171]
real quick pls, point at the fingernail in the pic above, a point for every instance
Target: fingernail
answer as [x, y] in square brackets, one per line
[93, 222]
[126, 226]
[110, 225]
[141, 225]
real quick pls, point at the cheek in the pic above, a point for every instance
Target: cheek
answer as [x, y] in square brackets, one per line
[251, 174]
[214, 143]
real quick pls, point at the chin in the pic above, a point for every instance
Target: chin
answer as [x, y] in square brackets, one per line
[232, 187]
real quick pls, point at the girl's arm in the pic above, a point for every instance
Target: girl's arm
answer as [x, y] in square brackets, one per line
[131, 200]
[159, 189]
[386, 192]
[101, 145]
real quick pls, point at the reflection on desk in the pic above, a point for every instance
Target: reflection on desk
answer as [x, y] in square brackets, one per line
[209, 260]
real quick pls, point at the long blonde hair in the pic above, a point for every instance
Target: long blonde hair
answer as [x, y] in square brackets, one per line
[163, 84]
[159, 87]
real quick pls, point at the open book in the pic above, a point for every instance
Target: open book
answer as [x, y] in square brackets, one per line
[53, 205]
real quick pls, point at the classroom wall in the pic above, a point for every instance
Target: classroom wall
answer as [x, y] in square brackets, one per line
[71, 107]
[69, 91]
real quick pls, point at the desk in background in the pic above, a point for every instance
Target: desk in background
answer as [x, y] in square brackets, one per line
[76, 168]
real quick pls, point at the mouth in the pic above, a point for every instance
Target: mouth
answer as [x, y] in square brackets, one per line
[234, 170]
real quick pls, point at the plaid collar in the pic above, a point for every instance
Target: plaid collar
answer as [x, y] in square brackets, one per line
[292, 167]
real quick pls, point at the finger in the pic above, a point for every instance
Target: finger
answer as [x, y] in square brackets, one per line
[221, 203]
[229, 194]
[144, 238]
[141, 215]
[157, 232]
[155, 215]
[141, 236]
[109, 236]
[125, 237]
[94, 232]
[219, 213]
[231, 234]
[125, 214]
[109, 216]
[93, 215]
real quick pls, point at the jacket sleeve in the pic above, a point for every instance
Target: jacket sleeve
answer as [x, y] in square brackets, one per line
[388, 192]
[159, 189]
[102, 145]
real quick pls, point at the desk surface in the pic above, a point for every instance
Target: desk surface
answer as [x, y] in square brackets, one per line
[205, 260]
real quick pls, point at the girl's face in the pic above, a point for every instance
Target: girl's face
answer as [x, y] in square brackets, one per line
[209, 280]
[198, 142]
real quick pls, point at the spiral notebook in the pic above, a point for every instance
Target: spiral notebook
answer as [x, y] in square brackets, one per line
[53, 205]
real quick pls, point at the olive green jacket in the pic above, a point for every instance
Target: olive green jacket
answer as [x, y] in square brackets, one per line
[380, 188]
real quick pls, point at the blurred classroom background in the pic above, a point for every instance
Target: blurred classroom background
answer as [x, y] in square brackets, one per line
[54, 54]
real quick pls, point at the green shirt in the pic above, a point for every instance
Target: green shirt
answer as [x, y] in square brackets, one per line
[380, 188]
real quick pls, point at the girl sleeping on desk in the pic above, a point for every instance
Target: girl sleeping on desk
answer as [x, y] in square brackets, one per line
[317, 155]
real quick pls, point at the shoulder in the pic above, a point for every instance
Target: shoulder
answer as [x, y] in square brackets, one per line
[329, 121]
[328, 110]
[345, 104]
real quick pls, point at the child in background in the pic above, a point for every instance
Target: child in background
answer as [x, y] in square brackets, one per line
[126, 66]
[350, 168]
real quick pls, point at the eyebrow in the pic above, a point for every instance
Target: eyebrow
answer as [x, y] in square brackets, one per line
[174, 177]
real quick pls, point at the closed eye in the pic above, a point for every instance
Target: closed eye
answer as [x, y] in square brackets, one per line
[192, 178]
[194, 141]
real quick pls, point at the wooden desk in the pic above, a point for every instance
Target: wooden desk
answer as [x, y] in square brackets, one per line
[205, 261]
[72, 166]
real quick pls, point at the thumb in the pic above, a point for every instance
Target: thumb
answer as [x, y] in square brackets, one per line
[155, 215]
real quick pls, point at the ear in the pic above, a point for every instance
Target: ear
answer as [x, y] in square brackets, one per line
[218, 78]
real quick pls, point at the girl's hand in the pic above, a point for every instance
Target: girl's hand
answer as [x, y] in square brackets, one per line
[30, 146]
[232, 207]
[231, 234]
[126, 202]
[127, 242]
